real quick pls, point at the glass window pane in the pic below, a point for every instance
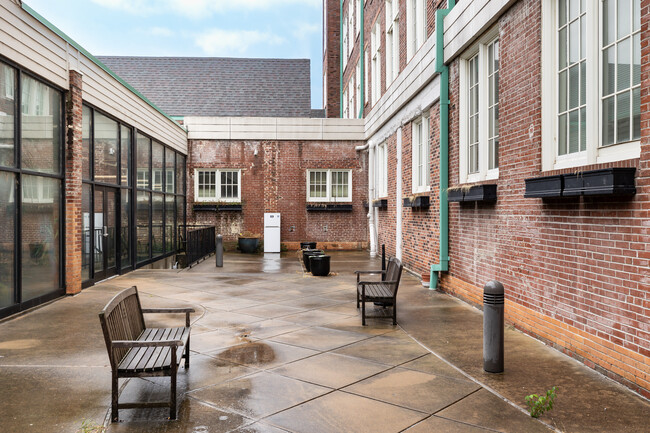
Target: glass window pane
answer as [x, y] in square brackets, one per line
[562, 92]
[180, 220]
[157, 225]
[86, 131]
[609, 70]
[609, 24]
[574, 128]
[636, 116]
[636, 60]
[106, 146]
[608, 121]
[142, 223]
[574, 86]
[125, 229]
[562, 48]
[41, 148]
[7, 115]
[157, 153]
[562, 12]
[7, 240]
[180, 174]
[170, 184]
[125, 152]
[86, 234]
[574, 9]
[41, 240]
[143, 163]
[583, 129]
[623, 63]
[169, 222]
[583, 83]
[636, 14]
[574, 42]
[561, 134]
[623, 117]
[623, 18]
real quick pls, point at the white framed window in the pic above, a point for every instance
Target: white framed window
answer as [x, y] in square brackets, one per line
[392, 41]
[358, 15]
[420, 151]
[382, 171]
[9, 81]
[365, 82]
[350, 93]
[344, 43]
[217, 185]
[479, 110]
[142, 180]
[357, 98]
[591, 57]
[346, 105]
[416, 22]
[376, 63]
[331, 185]
[351, 33]
[38, 189]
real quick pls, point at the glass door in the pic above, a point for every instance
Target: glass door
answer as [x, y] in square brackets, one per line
[105, 233]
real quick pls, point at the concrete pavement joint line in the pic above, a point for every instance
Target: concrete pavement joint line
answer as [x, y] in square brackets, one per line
[453, 420]
[481, 384]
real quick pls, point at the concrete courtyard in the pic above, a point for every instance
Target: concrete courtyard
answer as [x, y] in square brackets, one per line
[275, 349]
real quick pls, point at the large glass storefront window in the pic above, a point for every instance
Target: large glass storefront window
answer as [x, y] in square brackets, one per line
[106, 146]
[31, 157]
[142, 224]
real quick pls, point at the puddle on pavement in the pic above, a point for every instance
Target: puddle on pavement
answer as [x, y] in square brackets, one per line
[19, 344]
[249, 353]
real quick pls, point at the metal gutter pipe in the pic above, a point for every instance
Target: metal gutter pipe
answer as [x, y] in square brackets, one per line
[443, 256]
[362, 58]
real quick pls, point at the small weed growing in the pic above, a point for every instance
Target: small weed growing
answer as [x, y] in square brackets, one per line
[88, 426]
[537, 405]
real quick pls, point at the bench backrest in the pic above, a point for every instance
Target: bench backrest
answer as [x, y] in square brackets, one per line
[122, 319]
[394, 273]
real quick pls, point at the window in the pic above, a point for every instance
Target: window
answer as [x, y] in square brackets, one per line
[329, 185]
[217, 185]
[376, 63]
[351, 34]
[479, 111]
[344, 43]
[38, 189]
[365, 83]
[590, 45]
[358, 104]
[392, 41]
[358, 15]
[382, 171]
[420, 150]
[344, 102]
[416, 21]
[350, 92]
[9, 81]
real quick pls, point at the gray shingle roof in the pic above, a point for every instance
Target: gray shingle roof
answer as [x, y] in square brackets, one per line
[217, 86]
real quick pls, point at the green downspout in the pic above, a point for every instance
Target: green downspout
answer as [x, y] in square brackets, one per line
[443, 261]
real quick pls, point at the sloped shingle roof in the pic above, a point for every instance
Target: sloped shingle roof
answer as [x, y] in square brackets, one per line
[216, 86]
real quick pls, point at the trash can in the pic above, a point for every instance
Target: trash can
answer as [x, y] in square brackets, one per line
[306, 254]
[320, 265]
[307, 245]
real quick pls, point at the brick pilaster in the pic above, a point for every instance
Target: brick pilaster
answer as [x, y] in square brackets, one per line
[73, 186]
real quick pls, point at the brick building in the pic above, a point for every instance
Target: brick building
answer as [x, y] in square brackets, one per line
[547, 179]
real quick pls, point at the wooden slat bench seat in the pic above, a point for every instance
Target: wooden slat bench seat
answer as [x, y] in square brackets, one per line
[137, 351]
[382, 292]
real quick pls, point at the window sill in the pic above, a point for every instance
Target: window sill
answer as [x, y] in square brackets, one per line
[217, 207]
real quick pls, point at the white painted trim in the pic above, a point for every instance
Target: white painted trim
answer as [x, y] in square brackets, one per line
[398, 196]
[328, 187]
[217, 198]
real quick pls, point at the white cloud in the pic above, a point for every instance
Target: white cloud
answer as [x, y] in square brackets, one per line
[224, 43]
[198, 8]
[304, 29]
[160, 31]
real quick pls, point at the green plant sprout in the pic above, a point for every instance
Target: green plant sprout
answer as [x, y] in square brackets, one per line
[537, 405]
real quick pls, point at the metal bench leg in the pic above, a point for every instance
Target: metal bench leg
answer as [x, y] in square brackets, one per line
[363, 312]
[394, 312]
[187, 354]
[172, 402]
[357, 298]
[114, 398]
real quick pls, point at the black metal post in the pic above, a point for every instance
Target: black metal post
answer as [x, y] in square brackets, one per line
[383, 259]
[493, 303]
[219, 251]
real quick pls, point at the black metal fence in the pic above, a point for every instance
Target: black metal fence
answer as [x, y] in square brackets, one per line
[197, 242]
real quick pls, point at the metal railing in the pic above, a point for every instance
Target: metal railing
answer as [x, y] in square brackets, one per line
[198, 242]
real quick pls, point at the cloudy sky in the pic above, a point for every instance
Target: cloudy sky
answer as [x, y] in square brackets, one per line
[194, 28]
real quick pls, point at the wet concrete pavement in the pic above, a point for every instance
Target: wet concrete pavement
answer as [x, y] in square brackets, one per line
[275, 350]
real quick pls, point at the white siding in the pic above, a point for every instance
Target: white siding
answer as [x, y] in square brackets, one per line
[33, 46]
[269, 128]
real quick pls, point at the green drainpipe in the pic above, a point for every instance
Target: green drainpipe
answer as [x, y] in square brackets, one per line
[443, 262]
[362, 55]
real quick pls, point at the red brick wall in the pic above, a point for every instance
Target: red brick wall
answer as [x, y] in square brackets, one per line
[332, 59]
[73, 225]
[275, 180]
[575, 270]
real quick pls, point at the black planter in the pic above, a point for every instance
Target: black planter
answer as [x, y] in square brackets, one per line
[307, 245]
[229, 207]
[485, 192]
[419, 202]
[543, 187]
[380, 204]
[204, 207]
[198, 207]
[248, 245]
[574, 185]
[308, 253]
[455, 195]
[320, 265]
[609, 181]
[329, 207]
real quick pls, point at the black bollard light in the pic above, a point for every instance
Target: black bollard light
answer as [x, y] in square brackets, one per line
[493, 297]
[218, 253]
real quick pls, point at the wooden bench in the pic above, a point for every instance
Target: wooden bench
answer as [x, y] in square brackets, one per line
[137, 351]
[382, 292]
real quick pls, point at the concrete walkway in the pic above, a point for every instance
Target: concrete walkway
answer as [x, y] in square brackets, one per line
[276, 350]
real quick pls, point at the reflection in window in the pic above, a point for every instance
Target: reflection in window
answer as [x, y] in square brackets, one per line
[86, 244]
[142, 222]
[169, 222]
[125, 232]
[7, 113]
[144, 153]
[40, 238]
[125, 152]
[40, 127]
[157, 240]
[7, 240]
[169, 170]
[106, 149]
[157, 163]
